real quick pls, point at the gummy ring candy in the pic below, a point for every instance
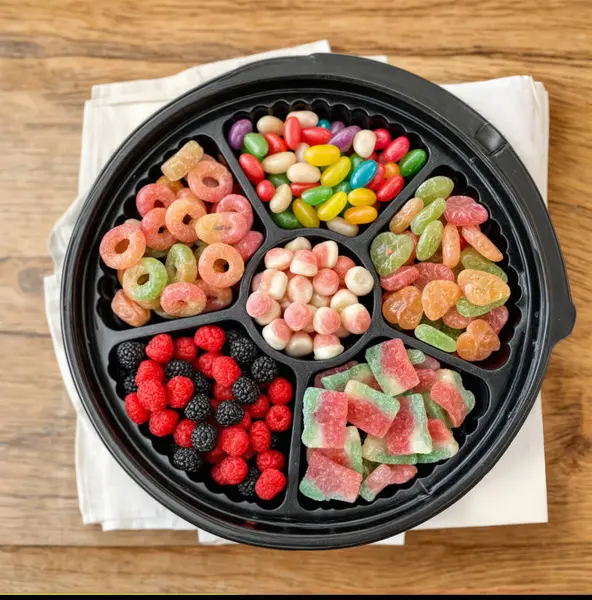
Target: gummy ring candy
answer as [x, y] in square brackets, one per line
[128, 311]
[145, 280]
[154, 195]
[210, 181]
[221, 265]
[239, 204]
[183, 299]
[217, 298]
[158, 237]
[123, 246]
[181, 264]
[181, 217]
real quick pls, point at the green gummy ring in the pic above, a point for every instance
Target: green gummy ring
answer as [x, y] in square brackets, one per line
[181, 264]
[152, 287]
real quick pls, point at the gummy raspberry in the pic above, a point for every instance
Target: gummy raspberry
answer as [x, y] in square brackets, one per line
[270, 459]
[223, 392]
[152, 395]
[260, 436]
[275, 440]
[162, 422]
[202, 384]
[278, 418]
[160, 348]
[179, 391]
[234, 441]
[215, 456]
[205, 363]
[259, 408]
[187, 459]
[246, 422]
[134, 409]
[130, 354]
[247, 487]
[280, 391]
[270, 483]
[243, 350]
[250, 453]
[245, 390]
[183, 431]
[229, 413]
[149, 370]
[210, 338]
[184, 349]
[198, 408]
[129, 384]
[204, 437]
[264, 369]
[177, 368]
[231, 471]
[225, 371]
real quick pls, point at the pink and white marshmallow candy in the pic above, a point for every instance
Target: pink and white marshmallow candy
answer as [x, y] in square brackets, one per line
[309, 328]
[327, 346]
[325, 282]
[356, 318]
[326, 321]
[320, 301]
[259, 304]
[277, 334]
[299, 243]
[278, 258]
[299, 289]
[342, 266]
[326, 253]
[304, 263]
[274, 312]
[298, 316]
[359, 281]
[274, 283]
[342, 299]
[300, 344]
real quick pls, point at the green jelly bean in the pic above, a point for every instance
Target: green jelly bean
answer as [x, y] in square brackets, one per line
[390, 251]
[468, 309]
[416, 357]
[286, 220]
[430, 213]
[256, 145]
[434, 188]
[471, 259]
[429, 240]
[356, 161]
[453, 333]
[412, 162]
[344, 186]
[435, 338]
[435, 324]
[317, 195]
[278, 179]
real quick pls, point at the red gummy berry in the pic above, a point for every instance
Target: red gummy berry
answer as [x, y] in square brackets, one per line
[210, 338]
[183, 431]
[215, 456]
[248, 455]
[225, 371]
[222, 392]
[259, 408]
[246, 422]
[260, 436]
[280, 391]
[162, 422]
[279, 418]
[218, 474]
[205, 363]
[152, 395]
[232, 470]
[234, 440]
[270, 459]
[160, 348]
[179, 391]
[185, 349]
[148, 370]
[270, 483]
[134, 409]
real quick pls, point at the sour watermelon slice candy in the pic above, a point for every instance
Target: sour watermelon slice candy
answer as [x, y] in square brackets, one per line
[409, 433]
[326, 480]
[363, 373]
[443, 443]
[391, 367]
[335, 378]
[371, 411]
[374, 450]
[325, 417]
[448, 391]
[435, 411]
[350, 456]
[383, 476]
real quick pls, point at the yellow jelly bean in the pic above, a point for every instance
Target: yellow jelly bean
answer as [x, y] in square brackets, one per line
[332, 207]
[361, 197]
[305, 213]
[360, 215]
[322, 155]
[337, 172]
[391, 169]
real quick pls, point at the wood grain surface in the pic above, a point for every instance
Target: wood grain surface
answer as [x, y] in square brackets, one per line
[51, 53]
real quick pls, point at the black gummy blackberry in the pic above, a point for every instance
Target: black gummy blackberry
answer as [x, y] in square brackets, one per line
[175, 368]
[229, 413]
[201, 384]
[204, 437]
[243, 350]
[187, 459]
[198, 408]
[130, 354]
[246, 390]
[264, 369]
[247, 487]
[129, 383]
[275, 440]
[232, 335]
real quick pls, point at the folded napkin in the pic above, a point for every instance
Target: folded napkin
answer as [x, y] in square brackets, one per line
[513, 492]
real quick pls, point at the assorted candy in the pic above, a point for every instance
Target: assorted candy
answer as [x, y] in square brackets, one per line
[311, 170]
[439, 272]
[400, 406]
[307, 299]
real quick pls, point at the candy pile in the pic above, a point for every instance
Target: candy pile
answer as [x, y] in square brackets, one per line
[182, 258]
[307, 299]
[223, 403]
[439, 272]
[400, 400]
[312, 170]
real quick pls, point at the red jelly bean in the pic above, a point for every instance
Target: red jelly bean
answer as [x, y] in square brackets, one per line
[396, 150]
[383, 139]
[292, 132]
[275, 143]
[252, 168]
[316, 136]
[390, 188]
[378, 179]
[265, 190]
[298, 188]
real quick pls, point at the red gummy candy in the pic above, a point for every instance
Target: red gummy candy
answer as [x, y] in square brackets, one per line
[134, 409]
[270, 483]
[160, 348]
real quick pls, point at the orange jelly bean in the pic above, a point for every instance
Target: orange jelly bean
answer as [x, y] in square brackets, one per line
[391, 169]
[360, 215]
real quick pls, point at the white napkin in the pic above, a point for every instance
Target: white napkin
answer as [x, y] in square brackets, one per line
[513, 492]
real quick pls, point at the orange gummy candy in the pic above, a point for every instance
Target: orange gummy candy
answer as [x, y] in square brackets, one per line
[403, 308]
[481, 243]
[438, 297]
[477, 342]
[450, 246]
[482, 288]
[402, 220]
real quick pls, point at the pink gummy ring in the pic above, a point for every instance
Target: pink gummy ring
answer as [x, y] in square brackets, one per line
[239, 204]
[123, 246]
[210, 181]
[154, 195]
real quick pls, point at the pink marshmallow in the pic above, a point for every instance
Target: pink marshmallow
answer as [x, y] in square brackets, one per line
[327, 346]
[320, 301]
[326, 321]
[342, 266]
[278, 258]
[304, 263]
[300, 344]
[325, 282]
[285, 302]
[326, 253]
[299, 243]
[274, 283]
[342, 299]
[274, 312]
[299, 289]
[258, 304]
[277, 334]
[297, 316]
[359, 281]
[356, 318]
[256, 283]
[309, 328]
[342, 332]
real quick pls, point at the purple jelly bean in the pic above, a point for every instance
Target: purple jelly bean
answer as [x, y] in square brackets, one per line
[336, 127]
[344, 139]
[237, 133]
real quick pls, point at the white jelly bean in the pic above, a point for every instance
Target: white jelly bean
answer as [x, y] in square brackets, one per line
[270, 124]
[274, 312]
[300, 150]
[364, 142]
[278, 163]
[303, 173]
[340, 225]
[327, 346]
[342, 299]
[300, 344]
[359, 281]
[281, 199]
[277, 334]
[299, 243]
[306, 118]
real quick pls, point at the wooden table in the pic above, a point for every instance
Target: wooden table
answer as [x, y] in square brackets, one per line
[51, 53]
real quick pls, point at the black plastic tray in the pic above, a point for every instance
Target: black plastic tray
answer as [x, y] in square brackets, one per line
[461, 144]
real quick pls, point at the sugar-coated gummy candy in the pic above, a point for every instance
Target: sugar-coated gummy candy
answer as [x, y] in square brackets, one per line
[356, 319]
[370, 410]
[298, 316]
[427, 215]
[463, 211]
[305, 213]
[174, 186]
[303, 173]
[299, 243]
[450, 246]
[299, 289]
[455, 320]
[278, 258]
[401, 278]
[326, 254]
[374, 450]
[304, 263]
[359, 281]
[318, 380]
[224, 227]
[185, 159]
[300, 345]
[430, 271]
[478, 341]
[480, 242]
[403, 307]
[153, 196]
[433, 409]
[343, 227]
[438, 297]
[390, 251]
[236, 135]
[279, 162]
[443, 443]
[434, 337]
[416, 357]
[213, 260]
[342, 266]
[216, 298]
[203, 174]
[342, 299]
[327, 480]
[497, 318]
[325, 415]
[449, 392]
[326, 321]
[129, 311]
[183, 299]
[156, 233]
[145, 280]
[238, 204]
[249, 244]
[363, 373]
[383, 476]
[427, 378]
[181, 218]
[408, 433]
[281, 199]
[180, 264]
[435, 187]
[123, 246]
[391, 367]
[258, 304]
[337, 172]
[326, 346]
[349, 456]
[273, 313]
[471, 259]
[482, 288]
[277, 334]
[325, 282]
[468, 309]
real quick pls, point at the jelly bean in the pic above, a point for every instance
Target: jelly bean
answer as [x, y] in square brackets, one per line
[412, 162]
[471, 259]
[299, 243]
[390, 188]
[332, 207]
[497, 318]
[429, 241]
[355, 319]
[318, 300]
[271, 315]
[468, 309]
[317, 195]
[157, 235]
[316, 136]
[174, 186]
[217, 298]
[275, 143]
[403, 308]
[298, 316]
[181, 218]
[292, 132]
[342, 299]
[183, 300]
[278, 163]
[249, 244]
[359, 281]
[401, 278]
[180, 264]
[377, 180]
[185, 159]
[390, 251]
[278, 258]
[482, 288]
[258, 304]
[463, 211]
[298, 188]
[455, 320]
[435, 187]
[145, 280]
[300, 344]
[363, 174]
[304, 263]
[299, 289]
[123, 246]
[326, 254]
[303, 173]
[478, 341]
[344, 139]
[324, 123]
[450, 246]
[221, 265]
[364, 143]
[480, 242]
[201, 178]
[361, 197]
[322, 155]
[286, 220]
[153, 196]
[306, 118]
[128, 311]
[270, 124]
[265, 190]
[252, 168]
[343, 227]
[383, 138]
[305, 213]
[361, 215]
[430, 213]
[325, 283]
[301, 151]
[344, 187]
[391, 169]
[337, 126]
[278, 180]
[438, 297]
[430, 271]
[396, 150]
[255, 144]
[237, 133]
[281, 199]
[336, 172]
[432, 336]
[402, 219]
[277, 334]
[326, 321]
[224, 227]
